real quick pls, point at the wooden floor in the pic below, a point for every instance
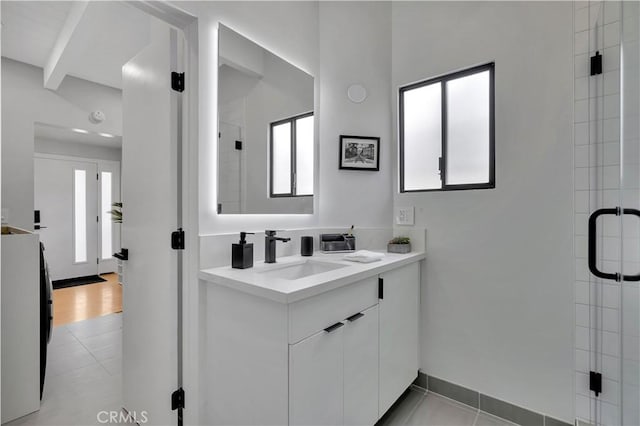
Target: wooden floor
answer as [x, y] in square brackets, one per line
[82, 302]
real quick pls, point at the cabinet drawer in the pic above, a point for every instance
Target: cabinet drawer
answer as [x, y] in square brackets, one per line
[316, 313]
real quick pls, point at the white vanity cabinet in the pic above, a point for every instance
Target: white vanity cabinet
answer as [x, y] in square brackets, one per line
[361, 368]
[340, 357]
[333, 375]
[316, 379]
[399, 312]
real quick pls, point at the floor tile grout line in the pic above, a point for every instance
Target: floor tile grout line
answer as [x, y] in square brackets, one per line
[95, 335]
[507, 421]
[475, 419]
[456, 402]
[415, 408]
[80, 339]
[109, 372]
[479, 411]
[94, 357]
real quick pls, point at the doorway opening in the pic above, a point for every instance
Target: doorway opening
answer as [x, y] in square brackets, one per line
[76, 204]
[85, 360]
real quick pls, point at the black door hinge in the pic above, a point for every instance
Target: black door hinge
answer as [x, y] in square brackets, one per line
[595, 382]
[219, 208]
[596, 64]
[177, 81]
[380, 288]
[239, 145]
[177, 399]
[177, 239]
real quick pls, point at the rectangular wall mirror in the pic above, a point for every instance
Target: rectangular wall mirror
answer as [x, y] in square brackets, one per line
[266, 138]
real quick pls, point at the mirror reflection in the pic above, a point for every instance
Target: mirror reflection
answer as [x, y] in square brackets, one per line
[266, 130]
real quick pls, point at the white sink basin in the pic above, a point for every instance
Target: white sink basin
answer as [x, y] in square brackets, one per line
[302, 269]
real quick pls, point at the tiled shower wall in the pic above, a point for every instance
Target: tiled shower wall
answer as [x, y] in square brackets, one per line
[597, 180]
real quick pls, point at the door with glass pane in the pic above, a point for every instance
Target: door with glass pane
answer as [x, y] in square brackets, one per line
[66, 195]
[611, 180]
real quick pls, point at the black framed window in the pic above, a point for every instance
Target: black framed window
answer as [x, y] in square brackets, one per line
[447, 132]
[291, 157]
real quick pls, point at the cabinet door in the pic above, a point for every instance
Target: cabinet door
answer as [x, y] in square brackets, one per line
[316, 379]
[361, 368]
[398, 332]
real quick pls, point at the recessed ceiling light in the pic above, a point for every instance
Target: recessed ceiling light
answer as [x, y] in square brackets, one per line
[79, 131]
[106, 135]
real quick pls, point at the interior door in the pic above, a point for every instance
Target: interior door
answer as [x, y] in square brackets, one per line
[149, 197]
[65, 192]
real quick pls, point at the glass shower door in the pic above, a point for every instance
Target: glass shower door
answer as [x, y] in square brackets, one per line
[608, 178]
[629, 318]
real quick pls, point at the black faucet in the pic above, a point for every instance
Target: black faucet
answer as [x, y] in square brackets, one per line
[270, 246]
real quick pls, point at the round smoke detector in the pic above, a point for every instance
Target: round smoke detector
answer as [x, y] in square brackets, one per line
[97, 117]
[357, 93]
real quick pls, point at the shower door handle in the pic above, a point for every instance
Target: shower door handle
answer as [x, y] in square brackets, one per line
[592, 243]
[636, 213]
[617, 211]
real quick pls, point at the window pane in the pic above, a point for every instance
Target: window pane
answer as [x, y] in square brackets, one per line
[105, 208]
[281, 159]
[80, 215]
[304, 156]
[468, 129]
[422, 137]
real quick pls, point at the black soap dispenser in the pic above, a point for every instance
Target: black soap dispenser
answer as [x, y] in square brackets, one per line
[242, 253]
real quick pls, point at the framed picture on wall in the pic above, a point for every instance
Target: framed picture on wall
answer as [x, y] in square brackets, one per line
[359, 153]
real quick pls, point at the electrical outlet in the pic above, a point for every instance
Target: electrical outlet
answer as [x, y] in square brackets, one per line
[404, 216]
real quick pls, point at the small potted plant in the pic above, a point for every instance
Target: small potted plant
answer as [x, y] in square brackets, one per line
[116, 212]
[399, 245]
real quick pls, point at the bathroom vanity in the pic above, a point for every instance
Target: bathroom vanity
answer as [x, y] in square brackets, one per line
[316, 340]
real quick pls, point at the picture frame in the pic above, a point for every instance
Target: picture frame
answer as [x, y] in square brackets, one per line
[359, 153]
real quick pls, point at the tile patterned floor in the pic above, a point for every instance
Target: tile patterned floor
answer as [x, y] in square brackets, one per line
[84, 367]
[420, 408]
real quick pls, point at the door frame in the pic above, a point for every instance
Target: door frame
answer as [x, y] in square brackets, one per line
[188, 295]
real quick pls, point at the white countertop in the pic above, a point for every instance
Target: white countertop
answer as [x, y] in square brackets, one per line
[255, 282]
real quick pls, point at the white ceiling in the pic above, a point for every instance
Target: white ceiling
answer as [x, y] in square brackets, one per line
[94, 47]
[48, 132]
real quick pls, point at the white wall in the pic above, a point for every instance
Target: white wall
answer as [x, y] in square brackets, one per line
[24, 102]
[297, 31]
[72, 149]
[355, 47]
[497, 310]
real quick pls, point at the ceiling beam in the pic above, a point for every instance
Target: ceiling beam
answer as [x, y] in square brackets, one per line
[62, 54]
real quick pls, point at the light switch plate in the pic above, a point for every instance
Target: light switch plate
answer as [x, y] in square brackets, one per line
[404, 216]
